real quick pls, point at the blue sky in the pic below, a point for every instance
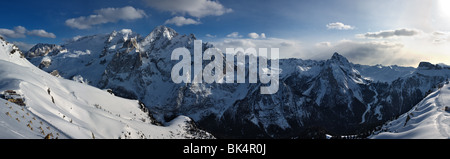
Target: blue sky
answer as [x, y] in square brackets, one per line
[406, 31]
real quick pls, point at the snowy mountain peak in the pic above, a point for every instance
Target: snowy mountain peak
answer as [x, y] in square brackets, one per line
[340, 64]
[162, 31]
[158, 37]
[163, 28]
[122, 35]
[339, 58]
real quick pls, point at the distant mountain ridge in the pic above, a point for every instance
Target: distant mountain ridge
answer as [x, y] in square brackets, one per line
[333, 95]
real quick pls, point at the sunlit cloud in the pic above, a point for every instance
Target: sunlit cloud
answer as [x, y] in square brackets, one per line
[106, 15]
[390, 33]
[339, 26]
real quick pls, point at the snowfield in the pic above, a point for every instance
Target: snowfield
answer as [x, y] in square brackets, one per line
[64, 109]
[427, 120]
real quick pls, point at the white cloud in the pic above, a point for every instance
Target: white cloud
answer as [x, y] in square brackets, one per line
[263, 35]
[180, 21]
[210, 36]
[234, 35]
[41, 33]
[339, 26]
[235, 43]
[195, 8]
[257, 36]
[390, 33]
[75, 38]
[325, 43]
[440, 37]
[253, 35]
[9, 33]
[21, 32]
[288, 48]
[18, 32]
[106, 15]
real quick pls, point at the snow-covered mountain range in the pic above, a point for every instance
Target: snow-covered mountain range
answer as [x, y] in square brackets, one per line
[332, 95]
[35, 104]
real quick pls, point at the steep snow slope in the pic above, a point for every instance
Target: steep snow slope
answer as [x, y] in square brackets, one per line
[427, 120]
[68, 109]
[19, 123]
[11, 53]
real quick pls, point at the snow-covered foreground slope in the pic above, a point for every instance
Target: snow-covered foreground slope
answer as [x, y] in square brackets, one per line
[67, 109]
[427, 120]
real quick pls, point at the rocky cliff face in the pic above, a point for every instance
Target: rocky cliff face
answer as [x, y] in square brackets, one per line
[333, 95]
[43, 50]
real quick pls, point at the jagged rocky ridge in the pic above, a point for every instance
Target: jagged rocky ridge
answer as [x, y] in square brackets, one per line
[331, 95]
